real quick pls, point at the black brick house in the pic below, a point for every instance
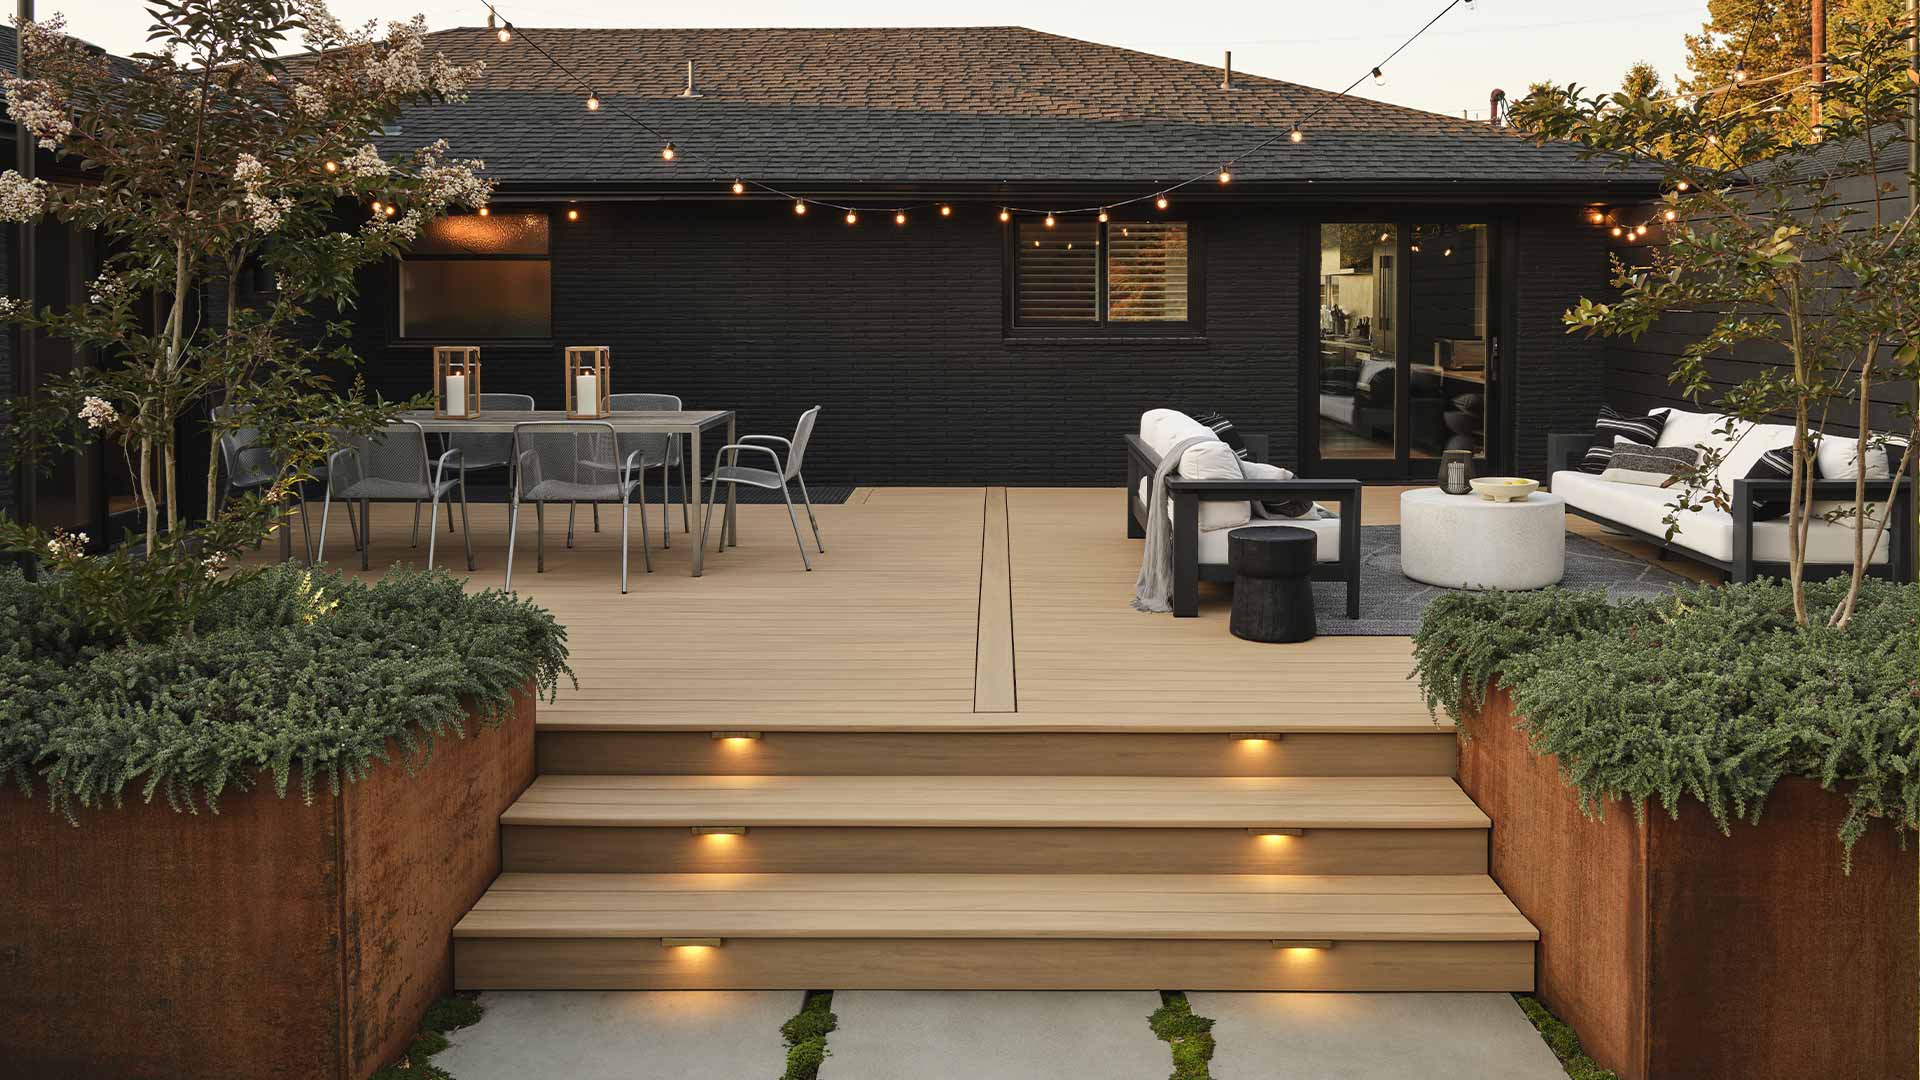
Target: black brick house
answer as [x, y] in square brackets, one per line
[1386, 287]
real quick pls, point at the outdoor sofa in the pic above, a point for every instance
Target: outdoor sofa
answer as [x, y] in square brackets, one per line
[1198, 506]
[1738, 541]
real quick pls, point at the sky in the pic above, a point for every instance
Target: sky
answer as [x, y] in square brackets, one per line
[1326, 43]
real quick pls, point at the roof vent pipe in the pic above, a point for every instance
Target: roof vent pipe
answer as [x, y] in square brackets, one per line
[690, 91]
[1226, 72]
[1497, 108]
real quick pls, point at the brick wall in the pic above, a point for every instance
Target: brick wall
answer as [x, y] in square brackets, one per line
[1560, 378]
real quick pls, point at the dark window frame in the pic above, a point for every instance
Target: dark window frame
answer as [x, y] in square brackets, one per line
[397, 324]
[1101, 327]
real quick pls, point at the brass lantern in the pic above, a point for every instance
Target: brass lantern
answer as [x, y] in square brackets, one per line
[587, 381]
[456, 382]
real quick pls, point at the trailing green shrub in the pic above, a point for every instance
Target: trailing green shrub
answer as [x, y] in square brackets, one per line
[1712, 693]
[447, 1014]
[1563, 1041]
[290, 672]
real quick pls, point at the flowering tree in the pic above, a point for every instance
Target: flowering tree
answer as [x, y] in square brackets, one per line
[1764, 229]
[200, 160]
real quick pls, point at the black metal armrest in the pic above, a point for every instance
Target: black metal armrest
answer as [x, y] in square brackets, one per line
[1214, 490]
[1745, 488]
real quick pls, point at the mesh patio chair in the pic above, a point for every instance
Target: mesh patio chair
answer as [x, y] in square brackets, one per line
[661, 451]
[247, 466]
[572, 461]
[393, 466]
[480, 450]
[728, 470]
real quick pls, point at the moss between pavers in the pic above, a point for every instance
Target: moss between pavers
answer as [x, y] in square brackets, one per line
[806, 1035]
[447, 1014]
[1563, 1041]
[1190, 1037]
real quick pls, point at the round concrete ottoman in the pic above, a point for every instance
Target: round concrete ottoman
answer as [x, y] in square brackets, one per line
[1467, 542]
[1272, 582]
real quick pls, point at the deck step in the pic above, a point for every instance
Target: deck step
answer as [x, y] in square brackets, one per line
[995, 824]
[985, 931]
[1426, 751]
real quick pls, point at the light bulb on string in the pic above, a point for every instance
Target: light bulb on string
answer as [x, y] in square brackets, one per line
[1103, 216]
[1670, 215]
[485, 211]
[1597, 217]
[946, 210]
[1005, 214]
[1160, 202]
[505, 34]
[1640, 230]
[1740, 73]
[1617, 230]
[1296, 134]
[800, 206]
[593, 102]
[668, 153]
[1682, 186]
[377, 207]
[853, 218]
[1049, 221]
[899, 217]
[392, 209]
[1379, 77]
[1226, 175]
[331, 166]
[573, 214]
[739, 187]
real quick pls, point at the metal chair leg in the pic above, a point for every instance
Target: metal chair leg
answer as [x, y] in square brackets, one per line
[513, 533]
[466, 533]
[706, 518]
[366, 531]
[571, 507]
[433, 530]
[353, 525]
[326, 510]
[540, 537]
[794, 518]
[808, 499]
[306, 527]
[686, 493]
[416, 523]
[596, 517]
[666, 481]
[646, 542]
[623, 541]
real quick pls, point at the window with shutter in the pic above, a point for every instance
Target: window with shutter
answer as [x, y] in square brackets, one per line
[1083, 275]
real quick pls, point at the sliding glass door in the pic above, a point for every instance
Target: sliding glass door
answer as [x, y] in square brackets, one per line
[1405, 353]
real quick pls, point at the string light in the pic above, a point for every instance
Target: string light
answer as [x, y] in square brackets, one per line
[1617, 230]
[1740, 74]
[1103, 217]
[853, 218]
[1682, 186]
[392, 209]
[486, 211]
[573, 215]
[377, 207]
[899, 217]
[1597, 217]
[1296, 133]
[1640, 231]
[1414, 247]
[1049, 221]
[1379, 77]
[331, 166]
[1670, 215]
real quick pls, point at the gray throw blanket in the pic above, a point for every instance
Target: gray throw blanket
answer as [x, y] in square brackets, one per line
[1154, 590]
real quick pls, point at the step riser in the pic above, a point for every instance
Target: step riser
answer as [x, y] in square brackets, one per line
[988, 964]
[998, 754]
[807, 850]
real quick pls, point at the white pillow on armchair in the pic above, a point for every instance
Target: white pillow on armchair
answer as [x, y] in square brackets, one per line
[1216, 461]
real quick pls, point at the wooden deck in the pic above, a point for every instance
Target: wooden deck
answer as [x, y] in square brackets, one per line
[959, 754]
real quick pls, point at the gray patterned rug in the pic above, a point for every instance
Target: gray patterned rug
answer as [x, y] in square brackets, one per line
[1391, 603]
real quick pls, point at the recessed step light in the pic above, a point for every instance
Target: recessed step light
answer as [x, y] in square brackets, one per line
[691, 942]
[719, 830]
[1283, 831]
[1318, 944]
[743, 735]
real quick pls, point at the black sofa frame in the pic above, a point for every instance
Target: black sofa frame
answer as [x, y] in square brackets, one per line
[1187, 495]
[1564, 453]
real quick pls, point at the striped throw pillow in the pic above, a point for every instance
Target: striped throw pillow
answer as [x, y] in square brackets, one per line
[1639, 430]
[1777, 464]
[1223, 428]
[1651, 466]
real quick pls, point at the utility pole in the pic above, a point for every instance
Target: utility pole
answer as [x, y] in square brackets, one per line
[24, 369]
[1819, 57]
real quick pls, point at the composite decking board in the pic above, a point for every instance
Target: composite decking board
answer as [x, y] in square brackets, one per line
[1184, 907]
[1417, 802]
[995, 688]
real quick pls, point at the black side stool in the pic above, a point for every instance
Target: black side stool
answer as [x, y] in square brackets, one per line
[1272, 582]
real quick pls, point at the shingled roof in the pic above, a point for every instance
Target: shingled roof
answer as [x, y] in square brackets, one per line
[967, 105]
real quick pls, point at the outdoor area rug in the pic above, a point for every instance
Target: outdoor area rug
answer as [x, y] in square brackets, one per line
[1391, 603]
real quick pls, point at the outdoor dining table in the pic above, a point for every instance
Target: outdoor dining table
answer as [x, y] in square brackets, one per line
[689, 422]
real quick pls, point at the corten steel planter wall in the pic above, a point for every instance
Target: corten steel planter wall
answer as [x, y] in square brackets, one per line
[272, 940]
[1676, 951]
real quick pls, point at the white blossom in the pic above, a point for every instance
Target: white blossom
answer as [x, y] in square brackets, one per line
[309, 101]
[10, 306]
[322, 29]
[396, 69]
[266, 213]
[108, 287]
[34, 105]
[63, 545]
[21, 199]
[249, 172]
[38, 37]
[366, 162]
[98, 412]
[214, 564]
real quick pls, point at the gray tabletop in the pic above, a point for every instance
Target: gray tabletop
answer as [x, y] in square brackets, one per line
[502, 422]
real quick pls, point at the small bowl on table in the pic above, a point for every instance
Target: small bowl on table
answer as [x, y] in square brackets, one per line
[1504, 488]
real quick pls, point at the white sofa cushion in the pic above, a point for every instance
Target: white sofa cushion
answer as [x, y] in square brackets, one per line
[1836, 453]
[1213, 544]
[1164, 429]
[1708, 531]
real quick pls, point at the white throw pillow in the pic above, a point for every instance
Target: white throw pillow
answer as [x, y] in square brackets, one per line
[1215, 460]
[1835, 456]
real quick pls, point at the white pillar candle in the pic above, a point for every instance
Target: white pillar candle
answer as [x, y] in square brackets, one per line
[456, 395]
[586, 394]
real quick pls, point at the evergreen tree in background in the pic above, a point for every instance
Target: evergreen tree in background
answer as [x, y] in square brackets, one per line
[1642, 80]
[1766, 38]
